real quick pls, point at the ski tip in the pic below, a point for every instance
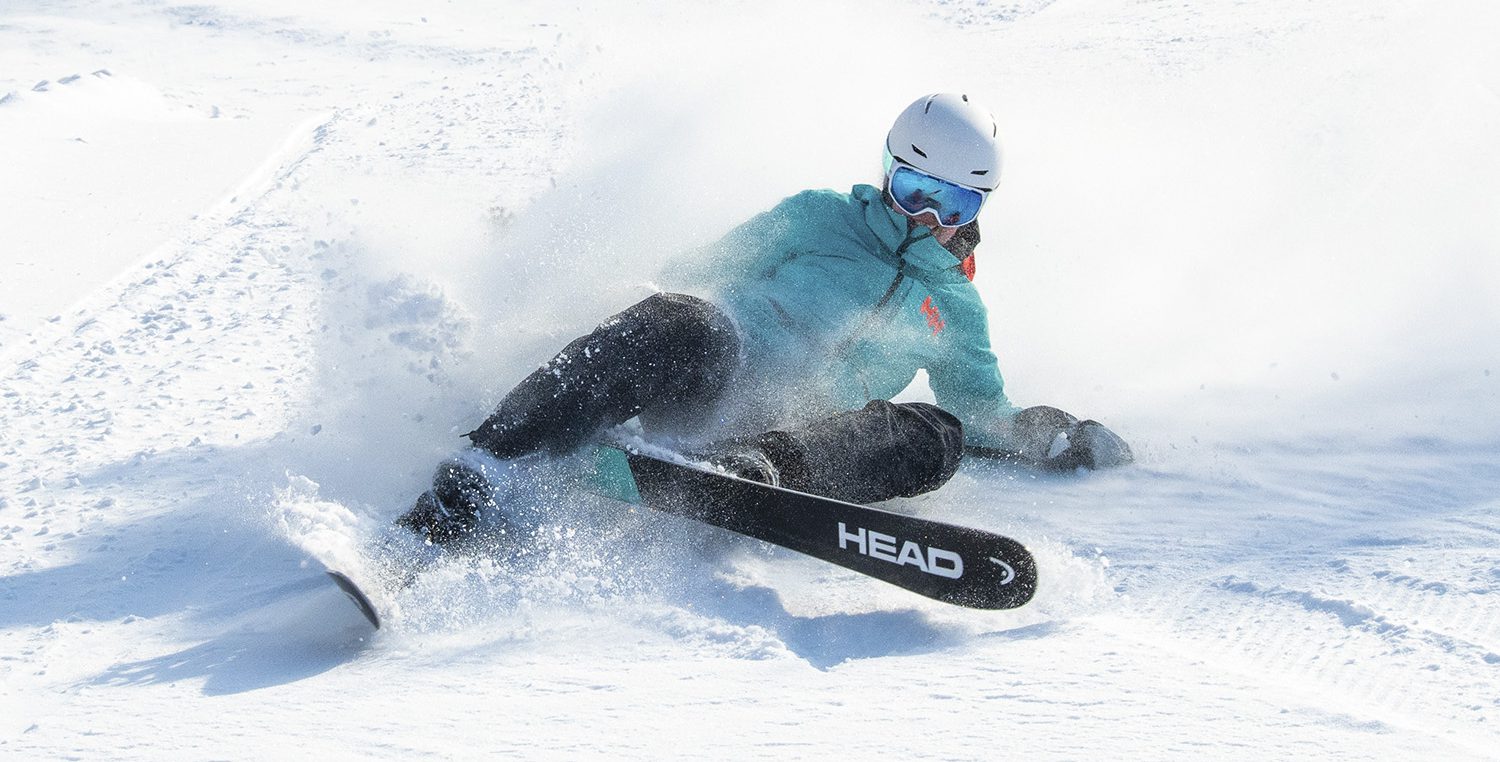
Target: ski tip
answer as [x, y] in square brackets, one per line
[357, 596]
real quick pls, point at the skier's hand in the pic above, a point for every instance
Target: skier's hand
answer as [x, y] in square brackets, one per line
[1091, 445]
[1047, 437]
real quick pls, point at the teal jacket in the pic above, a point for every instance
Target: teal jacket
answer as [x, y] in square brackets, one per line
[839, 303]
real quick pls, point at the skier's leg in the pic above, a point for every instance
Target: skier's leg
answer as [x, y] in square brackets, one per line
[882, 451]
[670, 353]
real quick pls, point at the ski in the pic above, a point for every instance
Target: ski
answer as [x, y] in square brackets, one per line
[946, 562]
[357, 596]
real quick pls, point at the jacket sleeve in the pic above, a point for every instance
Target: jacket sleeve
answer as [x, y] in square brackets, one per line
[965, 375]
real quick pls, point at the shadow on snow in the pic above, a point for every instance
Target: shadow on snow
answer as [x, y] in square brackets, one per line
[279, 645]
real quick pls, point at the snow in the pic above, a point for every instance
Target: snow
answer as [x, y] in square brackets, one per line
[265, 261]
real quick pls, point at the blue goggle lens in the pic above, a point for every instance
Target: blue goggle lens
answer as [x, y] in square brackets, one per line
[916, 192]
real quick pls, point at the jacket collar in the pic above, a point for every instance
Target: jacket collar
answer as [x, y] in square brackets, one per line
[891, 229]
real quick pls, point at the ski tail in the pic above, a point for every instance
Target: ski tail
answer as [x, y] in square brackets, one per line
[356, 595]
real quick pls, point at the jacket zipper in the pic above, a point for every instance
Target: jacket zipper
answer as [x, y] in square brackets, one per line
[849, 341]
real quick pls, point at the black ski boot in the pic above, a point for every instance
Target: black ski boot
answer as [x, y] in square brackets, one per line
[451, 509]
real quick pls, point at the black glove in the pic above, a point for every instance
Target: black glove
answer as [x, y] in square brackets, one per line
[1050, 438]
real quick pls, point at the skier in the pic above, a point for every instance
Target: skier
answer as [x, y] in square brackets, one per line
[776, 354]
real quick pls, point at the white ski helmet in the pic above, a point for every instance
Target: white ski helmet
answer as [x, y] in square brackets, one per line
[948, 136]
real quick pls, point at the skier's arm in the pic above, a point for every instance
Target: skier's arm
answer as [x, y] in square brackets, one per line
[966, 379]
[967, 383]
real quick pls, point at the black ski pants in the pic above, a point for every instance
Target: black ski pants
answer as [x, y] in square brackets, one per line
[670, 359]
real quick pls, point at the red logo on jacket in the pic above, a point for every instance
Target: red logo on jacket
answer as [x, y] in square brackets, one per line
[934, 318]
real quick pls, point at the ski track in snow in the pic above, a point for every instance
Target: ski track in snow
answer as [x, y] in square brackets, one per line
[182, 447]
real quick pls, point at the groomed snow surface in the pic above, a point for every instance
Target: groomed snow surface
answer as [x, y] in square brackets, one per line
[264, 261]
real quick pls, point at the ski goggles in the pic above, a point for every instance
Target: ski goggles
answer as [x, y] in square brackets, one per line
[915, 192]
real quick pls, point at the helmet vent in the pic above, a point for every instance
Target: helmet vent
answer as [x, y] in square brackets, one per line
[928, 106]
[980, 172]
[994, 130]
[919, 151]
[965, 96]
